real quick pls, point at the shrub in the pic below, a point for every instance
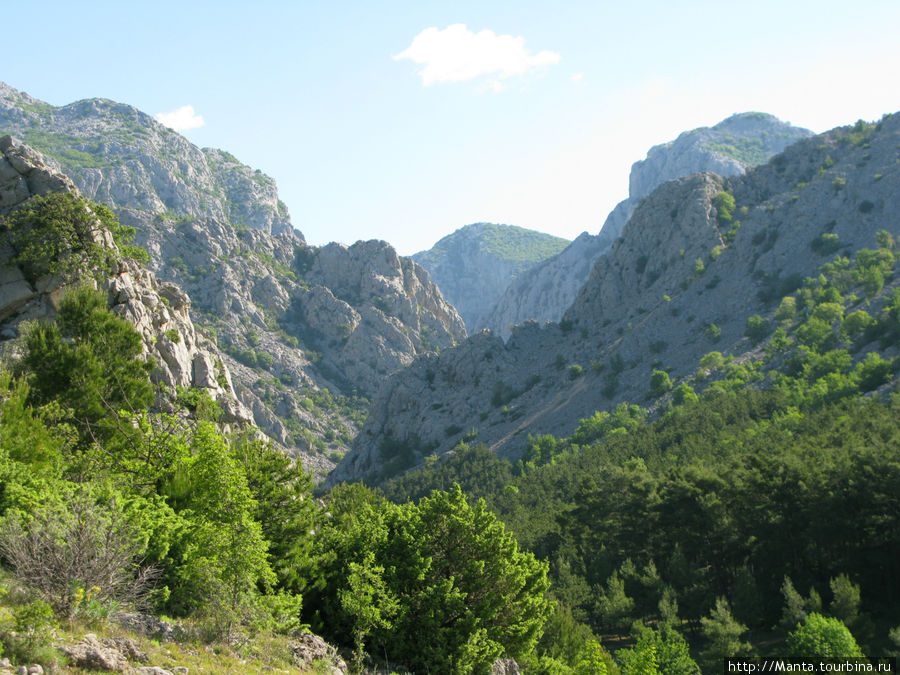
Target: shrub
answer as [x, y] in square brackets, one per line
[724, 204]
[81, 542]
[575, 371]
[660, 383]
[756, 328]
[62, 233]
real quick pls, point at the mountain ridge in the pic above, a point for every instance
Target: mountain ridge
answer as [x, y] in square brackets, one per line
[728, 148]
[682, 280]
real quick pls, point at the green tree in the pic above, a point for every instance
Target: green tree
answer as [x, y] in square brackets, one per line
[370, 603]
[662, 651]
[284, 507]
[89, 362]
[756, 329]
[64, 234]
[822, 637]
[723, 633]
[724, 204]
[227, 557]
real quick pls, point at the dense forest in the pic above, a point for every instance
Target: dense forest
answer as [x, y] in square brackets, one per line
[752, 510]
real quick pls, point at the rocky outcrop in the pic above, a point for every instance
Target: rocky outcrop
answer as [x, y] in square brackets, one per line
[650, 303]
[474, 265]
[727, 149]
[159, 311]
[303, 355]
[309, 650]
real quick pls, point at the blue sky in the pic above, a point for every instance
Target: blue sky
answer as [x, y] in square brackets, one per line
[527, 113]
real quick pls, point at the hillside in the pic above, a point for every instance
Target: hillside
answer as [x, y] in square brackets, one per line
[307, 333]
[474, 265]
[728, 149]
[687, 274]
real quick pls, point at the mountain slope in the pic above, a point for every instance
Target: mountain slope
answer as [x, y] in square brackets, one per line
[304, 355]
[680, 282]
[473, 265]
[727, 149]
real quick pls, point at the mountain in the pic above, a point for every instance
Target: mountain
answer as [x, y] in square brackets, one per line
[728, 149]
[474, 265]
[693, 272]
[307, 333]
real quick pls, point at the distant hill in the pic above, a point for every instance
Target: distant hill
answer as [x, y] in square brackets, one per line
[728, 149]
[474, 265]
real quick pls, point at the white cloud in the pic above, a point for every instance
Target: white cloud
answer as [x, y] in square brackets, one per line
[182, 119]
[456, 54]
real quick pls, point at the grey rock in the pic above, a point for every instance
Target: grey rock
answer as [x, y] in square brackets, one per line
[90, 653]
[159, 311]
[475, 264]
[727, 149]
[308, 648]
[505, 667]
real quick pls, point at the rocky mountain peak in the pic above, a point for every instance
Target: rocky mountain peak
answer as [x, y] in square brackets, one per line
[473, 265]
[306, 333]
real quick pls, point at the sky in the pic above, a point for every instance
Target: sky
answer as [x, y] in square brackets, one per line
[405, 120]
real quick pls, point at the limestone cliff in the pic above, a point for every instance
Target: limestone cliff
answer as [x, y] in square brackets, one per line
[304, 355]
[727, 149]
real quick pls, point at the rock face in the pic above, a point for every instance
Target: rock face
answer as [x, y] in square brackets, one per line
[648, 304]
[475, 264]
[307, 334]
[159, 311]
[727, 149]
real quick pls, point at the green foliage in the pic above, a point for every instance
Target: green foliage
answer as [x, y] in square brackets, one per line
[368, 601]
[658, 651]
[31, 640]
[723, 633]
[465, 593]
[724, 205]
[712, 332]
[822, 637]
[227, 555]
[89, 362]
[61, 233]
[660, 383]
[683, 394]
[756, 329]
[826, 243]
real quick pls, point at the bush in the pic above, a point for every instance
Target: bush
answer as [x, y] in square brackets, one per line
[756, 329]
[62, 233]
[660, 383]
[80, 543]
[724, 204]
